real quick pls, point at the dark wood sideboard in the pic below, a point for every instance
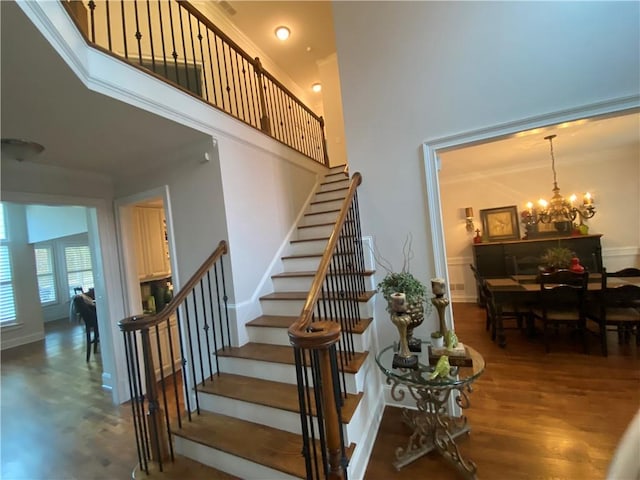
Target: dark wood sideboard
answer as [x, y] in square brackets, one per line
[502, 259]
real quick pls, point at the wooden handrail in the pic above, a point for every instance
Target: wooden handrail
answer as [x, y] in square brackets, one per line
[140, 322]
[324, 333]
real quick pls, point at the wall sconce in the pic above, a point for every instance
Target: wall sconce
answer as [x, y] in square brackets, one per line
[468, 213]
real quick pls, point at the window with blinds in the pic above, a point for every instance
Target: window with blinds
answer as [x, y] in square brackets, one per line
[79, 273]
[7, 298]
[46, 275]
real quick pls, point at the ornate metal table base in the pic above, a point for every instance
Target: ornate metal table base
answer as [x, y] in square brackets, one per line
[432, 428]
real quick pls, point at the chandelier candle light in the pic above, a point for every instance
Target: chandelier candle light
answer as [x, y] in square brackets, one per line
[558, 210]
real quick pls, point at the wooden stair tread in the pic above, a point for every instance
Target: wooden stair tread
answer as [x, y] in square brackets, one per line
[282, 321]
[326, 239]
[317, 225]
[274, 321]
[329, 182]
[365, 297]
[182, 468]
[280, 354]
[312, 255]
[312, 273]
[336, 210]
[283, 396]
[316, 202]
[332, 190]
[257, 443]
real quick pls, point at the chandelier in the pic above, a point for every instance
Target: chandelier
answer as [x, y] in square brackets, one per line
[558, 209]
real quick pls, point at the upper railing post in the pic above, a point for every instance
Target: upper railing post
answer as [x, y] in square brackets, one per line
[325, 153]
[265, 125]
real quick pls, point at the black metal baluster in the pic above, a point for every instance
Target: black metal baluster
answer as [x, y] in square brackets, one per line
[220, 69]
[197, 329]
[174, 52]
[109, 46]
[92, 7]
[304, 417]
[225, 298]
[185, 376]
[206, 328]
[174, 372]
[139, 395]
[193, 362]
[153, 54]
[193, 54]
[213, 79]
[204, 70]
[124, 28]
[138, 34]
[164, 50]
[129, 354]
[184, 47]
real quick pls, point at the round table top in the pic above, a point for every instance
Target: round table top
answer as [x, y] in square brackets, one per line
[419, 376]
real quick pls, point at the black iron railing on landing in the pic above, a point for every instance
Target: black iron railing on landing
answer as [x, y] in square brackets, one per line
[323, 342]
[172, 40]
[161, 380]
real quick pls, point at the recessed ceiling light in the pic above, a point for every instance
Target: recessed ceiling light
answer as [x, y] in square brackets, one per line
[316, 87]
[283, 33]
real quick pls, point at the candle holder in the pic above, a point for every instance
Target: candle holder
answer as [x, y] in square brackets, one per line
[440, 302]
[402, 320]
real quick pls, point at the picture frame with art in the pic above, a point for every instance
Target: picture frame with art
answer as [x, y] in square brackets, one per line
[500, 224]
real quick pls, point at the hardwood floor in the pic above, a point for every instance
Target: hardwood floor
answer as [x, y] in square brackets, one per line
[533, 415]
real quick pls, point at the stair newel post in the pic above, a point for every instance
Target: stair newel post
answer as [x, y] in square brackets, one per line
[324, 143]
[265, 125]
[332, 422]
[157, 433]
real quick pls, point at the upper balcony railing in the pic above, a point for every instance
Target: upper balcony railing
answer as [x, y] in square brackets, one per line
[171, 39]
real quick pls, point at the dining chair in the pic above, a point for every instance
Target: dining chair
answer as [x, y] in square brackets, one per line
[509, 311]
[562, 302]
[88, 315]
[617, 307]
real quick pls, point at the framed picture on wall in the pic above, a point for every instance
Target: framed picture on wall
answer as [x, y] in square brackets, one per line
[500, 224]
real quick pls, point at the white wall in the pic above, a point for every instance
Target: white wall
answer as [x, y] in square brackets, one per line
[333, 115]
[613, 173]
[414, 71]
[46, 223]
[29, 321]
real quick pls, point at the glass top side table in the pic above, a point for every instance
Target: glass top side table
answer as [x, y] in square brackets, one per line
[432, 427]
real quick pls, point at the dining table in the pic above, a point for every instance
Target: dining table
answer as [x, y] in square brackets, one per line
[524, 291]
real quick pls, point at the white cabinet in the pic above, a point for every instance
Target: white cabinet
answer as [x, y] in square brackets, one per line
[151, 244]
[167, 335]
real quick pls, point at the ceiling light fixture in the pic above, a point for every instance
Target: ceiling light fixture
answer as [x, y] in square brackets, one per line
[316, 87]
[283, 33]
[558, 210]
[19, 149]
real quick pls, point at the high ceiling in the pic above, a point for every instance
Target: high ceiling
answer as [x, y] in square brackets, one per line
[42, 100]
[312, 38]
[530, 147]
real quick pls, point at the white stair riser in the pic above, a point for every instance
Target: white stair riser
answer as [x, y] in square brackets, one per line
[332, 185]
[278, 336]
[332, 195]
[276, 372]
[294, 307]
[324, 206]
[325, 217]
[272, 417]
[292, 284]
[301, 264]
[306, 248]
[226, 462]
[315, 232]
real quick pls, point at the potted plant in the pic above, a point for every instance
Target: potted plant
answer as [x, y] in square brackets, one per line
[415, 293]
[437, 339]
[556, 257]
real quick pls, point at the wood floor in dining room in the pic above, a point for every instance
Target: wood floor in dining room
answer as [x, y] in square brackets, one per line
[533, 415]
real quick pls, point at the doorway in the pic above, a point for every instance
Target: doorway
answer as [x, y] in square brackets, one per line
[435, 152]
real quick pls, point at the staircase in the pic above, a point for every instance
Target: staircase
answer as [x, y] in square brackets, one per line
[249, 425]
